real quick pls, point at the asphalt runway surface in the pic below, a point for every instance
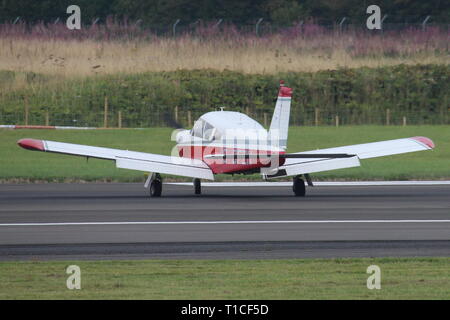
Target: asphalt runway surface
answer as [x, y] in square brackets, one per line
[119, 221]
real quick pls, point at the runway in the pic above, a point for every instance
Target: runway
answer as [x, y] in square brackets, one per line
[119, 221]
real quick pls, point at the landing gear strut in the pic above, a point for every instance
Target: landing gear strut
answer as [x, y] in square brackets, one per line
[197, 186]
[155, 185]
[298, 186]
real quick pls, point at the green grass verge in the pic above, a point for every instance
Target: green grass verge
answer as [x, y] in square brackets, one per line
[17, 164]
[401, 278]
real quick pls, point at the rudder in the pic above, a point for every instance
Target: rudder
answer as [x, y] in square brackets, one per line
[279, 125]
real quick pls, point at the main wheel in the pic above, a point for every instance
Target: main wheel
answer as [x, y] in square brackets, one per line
[156, 188]
[197, 186]
[298, 187]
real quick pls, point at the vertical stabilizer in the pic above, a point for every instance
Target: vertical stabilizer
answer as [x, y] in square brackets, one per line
[280, 120]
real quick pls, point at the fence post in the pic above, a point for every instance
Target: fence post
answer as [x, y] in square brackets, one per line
[388, 117]
[257, 26]
[218, 23]
[382, 20]
[404, 121]
[26, 110]
[424, 23]
[105, 116]
[174, 27]
[337, 121]
[119, 120]
[341, 23]
[316, 116]
[265, 119]
[189, 119]
[176, 114]
[47, 118]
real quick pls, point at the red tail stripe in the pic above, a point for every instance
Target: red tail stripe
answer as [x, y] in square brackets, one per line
[285, 92]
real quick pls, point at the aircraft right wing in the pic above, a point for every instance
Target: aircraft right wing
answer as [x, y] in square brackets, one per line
[348, 156]
[141, 161]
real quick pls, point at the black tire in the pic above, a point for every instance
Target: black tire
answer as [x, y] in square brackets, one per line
[156, 188]
[197, 186]
[298, 187]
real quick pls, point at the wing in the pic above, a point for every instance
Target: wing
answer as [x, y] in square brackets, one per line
[294, 166]
[125, 159]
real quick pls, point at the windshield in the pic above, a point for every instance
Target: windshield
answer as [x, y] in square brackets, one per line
[197, 129]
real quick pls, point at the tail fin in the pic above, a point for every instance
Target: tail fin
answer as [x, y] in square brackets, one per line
[280, 119]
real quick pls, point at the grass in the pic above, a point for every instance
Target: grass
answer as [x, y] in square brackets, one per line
[89, 58]
[21, 165]
[301, 48]
[401, 278]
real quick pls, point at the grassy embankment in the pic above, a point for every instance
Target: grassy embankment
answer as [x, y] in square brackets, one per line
[17, 164]
[401, 278]
[297, 50]
[412, 94]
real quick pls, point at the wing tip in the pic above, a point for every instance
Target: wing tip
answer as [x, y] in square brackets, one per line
[426, 141]
[31, 144]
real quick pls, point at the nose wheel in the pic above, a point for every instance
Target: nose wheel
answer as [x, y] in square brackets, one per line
[197, 186]
[298, 187]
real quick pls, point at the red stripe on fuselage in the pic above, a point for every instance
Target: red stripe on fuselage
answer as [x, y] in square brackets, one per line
[229, 165]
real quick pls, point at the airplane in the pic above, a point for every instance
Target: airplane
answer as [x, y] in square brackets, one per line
[228, 142]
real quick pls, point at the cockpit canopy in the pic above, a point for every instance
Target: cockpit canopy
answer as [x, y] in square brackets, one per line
[214, 125]
[204, 130]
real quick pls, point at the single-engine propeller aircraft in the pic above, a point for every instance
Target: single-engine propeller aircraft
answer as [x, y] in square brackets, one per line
[231, 142]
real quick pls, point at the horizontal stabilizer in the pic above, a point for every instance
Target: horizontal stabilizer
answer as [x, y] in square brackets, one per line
[311, 167]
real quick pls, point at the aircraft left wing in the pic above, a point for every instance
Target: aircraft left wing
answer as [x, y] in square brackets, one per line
[349, 156]
[125, 159]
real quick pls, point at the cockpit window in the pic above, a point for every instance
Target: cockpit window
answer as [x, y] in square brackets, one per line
[197, 130]
[208, 131]
[205, 130]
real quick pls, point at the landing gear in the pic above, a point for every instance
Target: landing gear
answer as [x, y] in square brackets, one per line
[155, 185]
[298, 187]
[197, 186]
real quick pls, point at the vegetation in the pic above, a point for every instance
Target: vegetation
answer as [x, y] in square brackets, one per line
[159, 13]
[18, 165]
[401, 278]
[357, 96]
[116, 48]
